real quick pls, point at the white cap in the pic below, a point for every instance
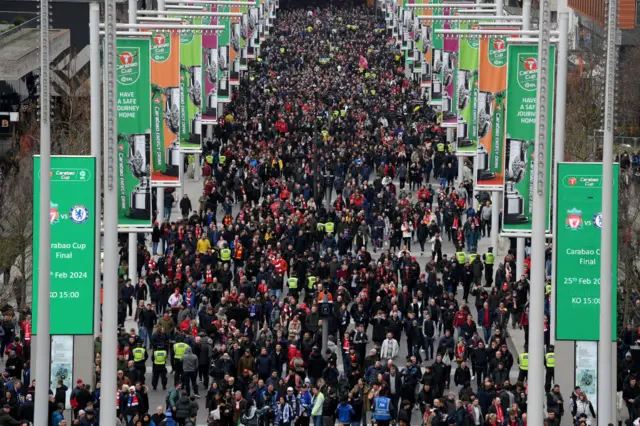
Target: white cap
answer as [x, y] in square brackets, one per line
[289, 389]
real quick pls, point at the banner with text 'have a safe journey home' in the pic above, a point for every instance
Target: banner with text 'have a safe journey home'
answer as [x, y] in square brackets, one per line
[522, 87]
[134, 132]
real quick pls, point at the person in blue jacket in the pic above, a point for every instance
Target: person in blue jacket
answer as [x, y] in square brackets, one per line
[345, 411]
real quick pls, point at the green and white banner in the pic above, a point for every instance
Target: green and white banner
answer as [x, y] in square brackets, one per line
[437, 65]
[134, 132]
[467, 94]
[191, 87]
[522, 87]
[72, 221]
[224, 63]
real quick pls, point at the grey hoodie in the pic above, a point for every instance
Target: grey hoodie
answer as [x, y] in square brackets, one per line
[189, 361]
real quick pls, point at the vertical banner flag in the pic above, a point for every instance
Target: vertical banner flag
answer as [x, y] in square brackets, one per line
[165, 108]
[578, 241]
[253, 36]
[234, 48]
[134, 132]
[191, 88]
[492, 86]
[224, 65]
[417, 42]
[262, 13]
[72, 219]
[467, 94]
[449, 73]
[210, 73]
[436, 60]
[522, 86]
[244, 38]
[427, 37]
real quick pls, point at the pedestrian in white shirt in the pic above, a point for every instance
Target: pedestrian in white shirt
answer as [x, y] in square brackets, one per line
[390, 348]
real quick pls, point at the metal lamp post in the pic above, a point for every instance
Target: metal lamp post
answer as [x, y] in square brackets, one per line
[44, 336]
[605, 355]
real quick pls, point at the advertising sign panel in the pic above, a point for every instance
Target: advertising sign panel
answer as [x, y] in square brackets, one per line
[522, 86]
[191, 87]
[450, 74]
[72, 220]
[579, 213]
[492, 91]
[134, 132]
[467, 94]
[210, 66]
[165, 108]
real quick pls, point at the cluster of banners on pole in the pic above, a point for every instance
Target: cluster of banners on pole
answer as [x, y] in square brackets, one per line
[169, 85]
[486, 89]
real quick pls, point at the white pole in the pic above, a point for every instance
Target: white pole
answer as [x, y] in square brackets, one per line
[558, 148]
[44, 264]
[110, 222]
[526, 15]
[519, 257]
[499, 7]
[133, 10]
[181, 173]
[133, 257]
[605, 355]
[539, 221]
[160, 215]
[96, 142]
[496, 198]
[161, 6]
[196, 166]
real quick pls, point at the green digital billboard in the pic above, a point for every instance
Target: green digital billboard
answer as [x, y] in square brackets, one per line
[72, 220]
[578, 241]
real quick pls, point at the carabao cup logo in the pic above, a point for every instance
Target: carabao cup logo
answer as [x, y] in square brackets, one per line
[161, 47]
[186, 37]
[497, 52]
[128, 67]
[527, 72]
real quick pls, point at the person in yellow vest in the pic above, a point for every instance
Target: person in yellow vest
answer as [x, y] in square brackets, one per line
[225, 254]
[461, 257]
[179, 349]
[523, 363]
[488, 258]
[159, 371]
[292, 283]
[472, 256]
[311, 287]
[329, 227]
[221, 160]
[550, 365]
[440, 147]
[140, 357]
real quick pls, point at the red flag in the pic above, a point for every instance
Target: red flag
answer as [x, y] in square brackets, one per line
[363, 63]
